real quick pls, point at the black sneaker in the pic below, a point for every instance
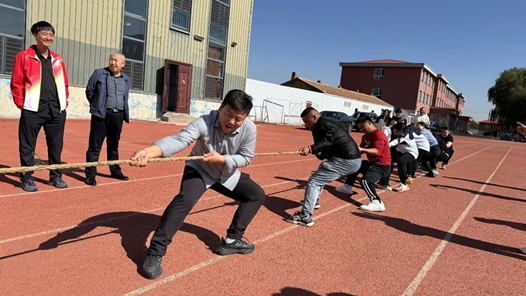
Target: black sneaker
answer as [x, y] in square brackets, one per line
[300, 219]
[431, 175]
[91, 181]
[58, 182]
[120, 176]
[152, 266]
[316, 206]
[236, 247]
[29, 185]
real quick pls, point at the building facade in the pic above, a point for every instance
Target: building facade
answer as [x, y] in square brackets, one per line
[182, 55]
[403, 84]
[358, 101]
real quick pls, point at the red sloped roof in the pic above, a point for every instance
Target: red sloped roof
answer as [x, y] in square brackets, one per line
[495, 121]
[342, 92]
[386, 61]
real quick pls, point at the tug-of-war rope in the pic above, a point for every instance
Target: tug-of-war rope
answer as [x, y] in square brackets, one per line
[114, 162]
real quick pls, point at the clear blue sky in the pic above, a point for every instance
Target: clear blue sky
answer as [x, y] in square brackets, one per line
[470, 42]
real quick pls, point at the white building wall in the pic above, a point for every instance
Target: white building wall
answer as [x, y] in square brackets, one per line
[274, 103]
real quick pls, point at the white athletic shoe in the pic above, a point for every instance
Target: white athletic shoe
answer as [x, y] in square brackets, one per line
[402, 188]
[523, 250]
[345, 189]
[374, 206]
[435, 172]
[384, 187]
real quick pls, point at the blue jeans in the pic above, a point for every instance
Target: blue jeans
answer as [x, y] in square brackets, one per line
[327, 172]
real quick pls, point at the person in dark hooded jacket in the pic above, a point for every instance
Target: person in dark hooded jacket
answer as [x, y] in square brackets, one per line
[333, 144]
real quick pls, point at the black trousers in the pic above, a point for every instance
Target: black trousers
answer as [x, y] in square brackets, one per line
[430, 161]
[450, 152]
[250, 195]
[422, 154]
[371, 173]
[403, 162]
[28, 129]
[110, 128]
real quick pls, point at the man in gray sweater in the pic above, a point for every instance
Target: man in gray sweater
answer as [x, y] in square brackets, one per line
[227, 139]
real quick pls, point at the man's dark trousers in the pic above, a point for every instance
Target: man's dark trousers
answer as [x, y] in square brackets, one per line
[249, 194]
[28, 129]
[109, 127]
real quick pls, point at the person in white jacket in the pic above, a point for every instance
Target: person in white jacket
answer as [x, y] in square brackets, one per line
[406, 153]
[422, 143]
[421, 117]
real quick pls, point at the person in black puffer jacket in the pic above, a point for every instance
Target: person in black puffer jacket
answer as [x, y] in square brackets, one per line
[343, 157]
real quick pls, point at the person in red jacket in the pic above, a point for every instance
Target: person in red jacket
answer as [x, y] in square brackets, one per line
[39, 85]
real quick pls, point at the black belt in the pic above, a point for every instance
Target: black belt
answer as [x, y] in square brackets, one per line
[113, 110]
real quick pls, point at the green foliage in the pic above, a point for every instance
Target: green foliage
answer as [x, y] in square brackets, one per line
[473, 125]
[508, 95]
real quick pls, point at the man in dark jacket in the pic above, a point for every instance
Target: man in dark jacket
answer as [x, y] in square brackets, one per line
[107, 92]
[333, 143]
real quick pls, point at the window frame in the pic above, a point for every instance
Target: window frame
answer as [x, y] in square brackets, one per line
[379, 92]
[3, 58]
[379, 76]
[180, 29]
[143, 62]
[218, 44]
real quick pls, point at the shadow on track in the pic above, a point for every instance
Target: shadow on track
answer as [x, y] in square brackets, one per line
[420, 230]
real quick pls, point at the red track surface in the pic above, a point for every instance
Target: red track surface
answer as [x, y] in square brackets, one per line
[457, 234]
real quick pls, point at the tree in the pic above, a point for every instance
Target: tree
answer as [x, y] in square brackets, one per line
[473, 125]
[508, 95]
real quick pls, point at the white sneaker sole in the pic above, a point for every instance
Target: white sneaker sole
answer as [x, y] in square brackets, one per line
[385, 188]
[372, 210]
[401, 190]
[300, 223]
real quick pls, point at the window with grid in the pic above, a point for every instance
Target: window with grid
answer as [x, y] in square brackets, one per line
[134, 40]
[12, 20]
[377, 92]
[378, 73]
[181, 15]
[215, 64]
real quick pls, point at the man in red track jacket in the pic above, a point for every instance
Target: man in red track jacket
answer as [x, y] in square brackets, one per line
[39, 85]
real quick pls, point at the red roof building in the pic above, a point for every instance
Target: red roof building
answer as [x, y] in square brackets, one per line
[489, 125]
[402, 84]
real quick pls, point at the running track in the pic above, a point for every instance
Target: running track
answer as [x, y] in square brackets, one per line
[457, 234]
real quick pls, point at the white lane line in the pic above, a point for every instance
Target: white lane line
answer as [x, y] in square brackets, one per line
[142, 179]
[418, 279]
[211, 261]
[117, 218]
[457, 147]
[471, 155]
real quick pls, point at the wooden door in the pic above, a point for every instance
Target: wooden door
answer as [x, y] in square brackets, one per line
[183, 89]
[177, 87]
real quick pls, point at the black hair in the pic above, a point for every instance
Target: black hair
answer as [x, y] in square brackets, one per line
[42, 26]
[422, 123]
[399, 126]
[445, 128]
[238, 100]
[398, 110]
[364, 119]
[307, 111]
[395, 118]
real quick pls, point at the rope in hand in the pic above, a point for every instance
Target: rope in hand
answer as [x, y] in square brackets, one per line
[114, 162]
